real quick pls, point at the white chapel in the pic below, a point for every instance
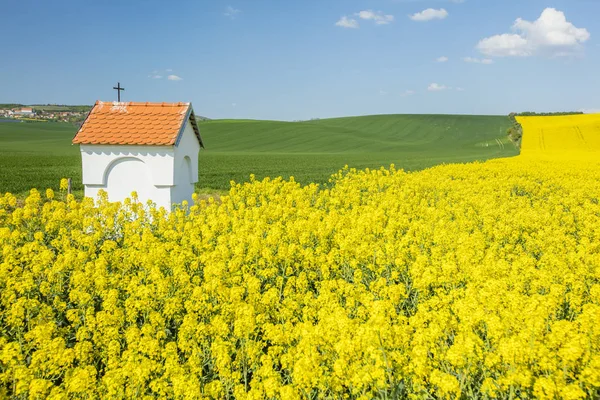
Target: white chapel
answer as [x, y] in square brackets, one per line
[150, 148]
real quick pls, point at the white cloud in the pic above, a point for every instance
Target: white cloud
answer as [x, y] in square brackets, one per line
[551, 34]
[159, 74]
[459, 89]
[233, 104]
[505, 45]
[478, 60]
[382, 92]
[429, 14]
[231, 12]
[407, 93]
[435, 87]
[442, 59]
[346, 22]
[378, 17]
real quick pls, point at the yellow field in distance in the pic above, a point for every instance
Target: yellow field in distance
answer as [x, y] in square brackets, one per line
[575, 137]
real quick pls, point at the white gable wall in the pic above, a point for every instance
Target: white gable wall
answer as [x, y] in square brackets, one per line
[186, 165]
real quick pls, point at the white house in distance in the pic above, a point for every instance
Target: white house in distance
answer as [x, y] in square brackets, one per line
[150, 148]
[25, 112]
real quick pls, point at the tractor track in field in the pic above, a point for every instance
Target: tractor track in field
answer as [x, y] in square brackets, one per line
[580, 135]
[542, 140]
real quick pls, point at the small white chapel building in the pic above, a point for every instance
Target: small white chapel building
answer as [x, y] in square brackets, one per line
[150, 148]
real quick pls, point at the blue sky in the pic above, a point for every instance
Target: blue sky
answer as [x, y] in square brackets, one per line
[287, 60]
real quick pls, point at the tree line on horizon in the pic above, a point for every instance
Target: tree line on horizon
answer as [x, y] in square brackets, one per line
[543, 114]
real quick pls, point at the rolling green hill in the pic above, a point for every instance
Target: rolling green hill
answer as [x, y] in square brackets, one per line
[311, 151]
[39, 154]
[379, 133]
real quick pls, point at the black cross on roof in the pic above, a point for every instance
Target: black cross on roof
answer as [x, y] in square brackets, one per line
[118, 88]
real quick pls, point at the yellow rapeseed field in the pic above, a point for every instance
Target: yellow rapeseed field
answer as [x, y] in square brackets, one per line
[561, 137]
[461, 281]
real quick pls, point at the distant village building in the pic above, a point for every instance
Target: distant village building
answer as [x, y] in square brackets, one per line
[24, 112]
[150, 148]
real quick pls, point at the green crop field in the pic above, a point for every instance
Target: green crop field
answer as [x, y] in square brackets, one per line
[39, 154]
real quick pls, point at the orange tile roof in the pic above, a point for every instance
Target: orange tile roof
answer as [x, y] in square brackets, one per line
[130, 123]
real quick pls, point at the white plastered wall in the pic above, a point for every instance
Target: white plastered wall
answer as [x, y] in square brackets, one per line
[120, 170]
[186, 166]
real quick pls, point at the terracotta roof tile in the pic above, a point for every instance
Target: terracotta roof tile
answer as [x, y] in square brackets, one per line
[136, 124]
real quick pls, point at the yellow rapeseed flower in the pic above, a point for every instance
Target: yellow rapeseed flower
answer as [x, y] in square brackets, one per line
[460, 281]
